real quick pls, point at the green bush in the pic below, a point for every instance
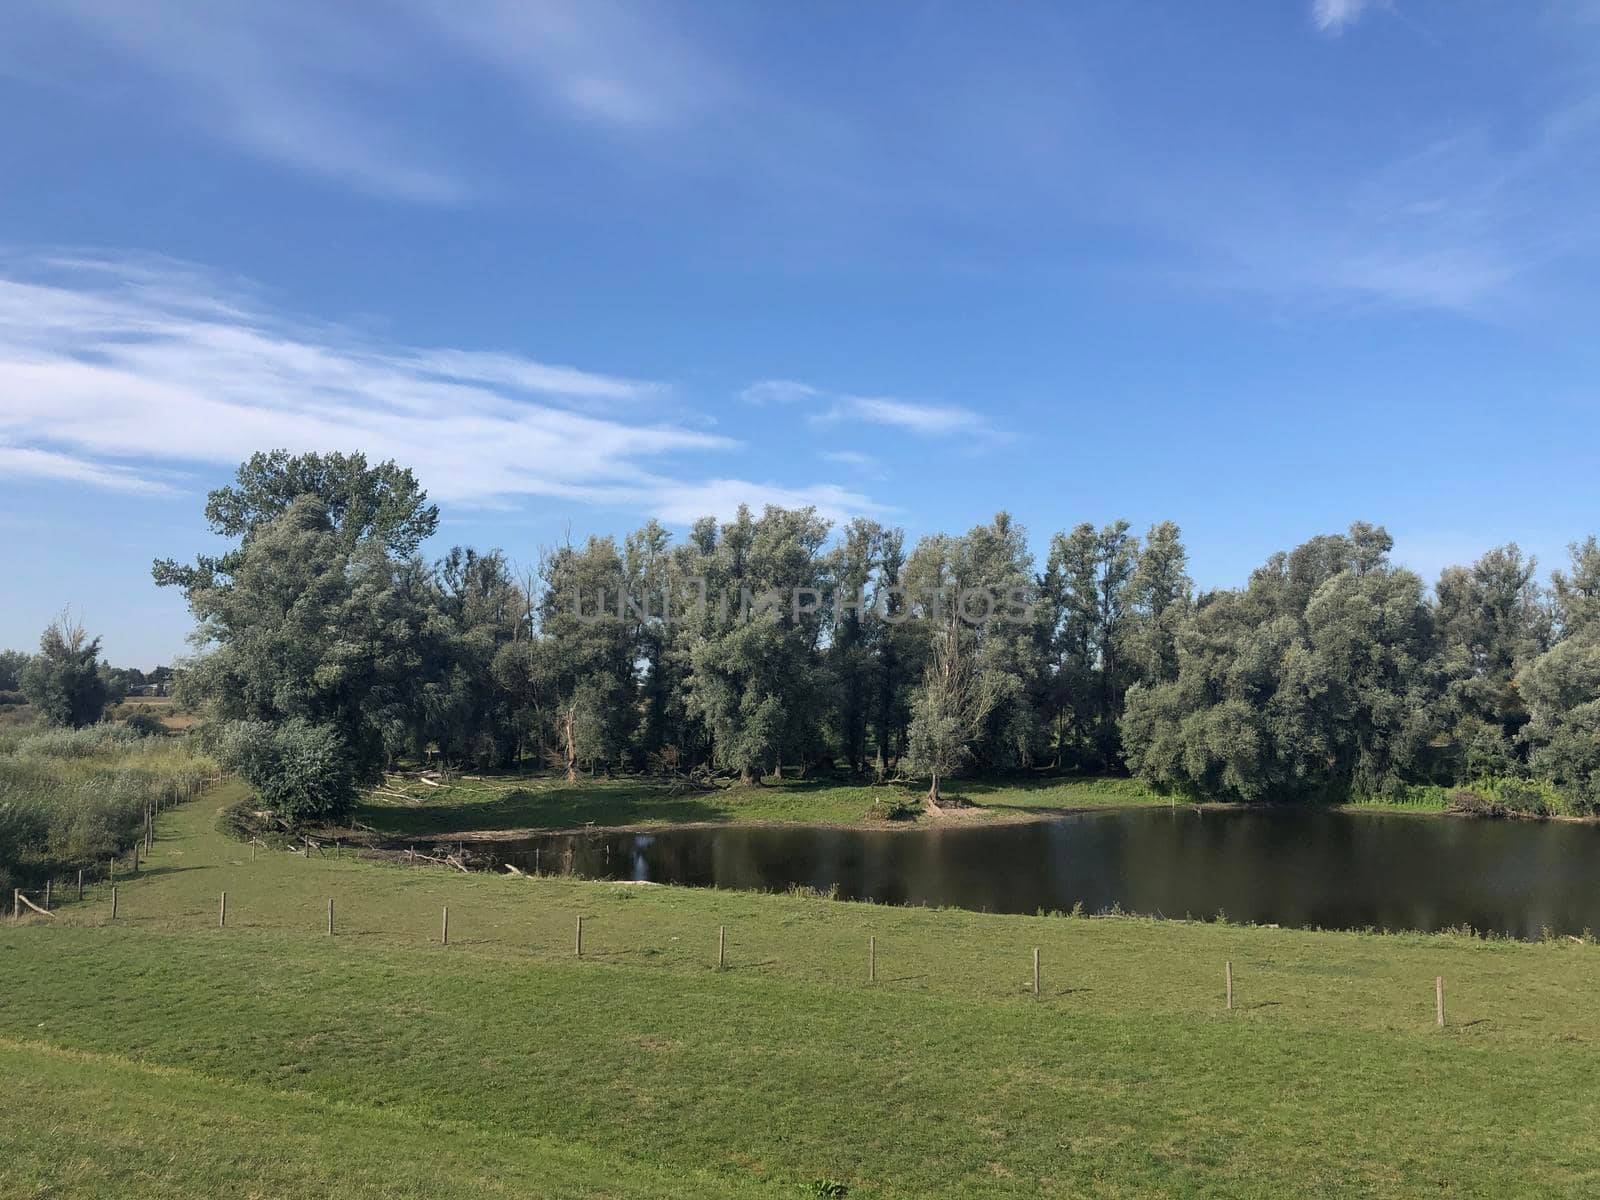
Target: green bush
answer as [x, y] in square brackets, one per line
[301, 771]
[145, 724]
[896, 809]
[1501, 796]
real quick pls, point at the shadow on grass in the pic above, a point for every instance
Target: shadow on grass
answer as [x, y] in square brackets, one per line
[543, 803]
[562, 807]
[148, 873]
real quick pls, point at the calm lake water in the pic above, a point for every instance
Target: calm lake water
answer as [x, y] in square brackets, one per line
[1293, 866]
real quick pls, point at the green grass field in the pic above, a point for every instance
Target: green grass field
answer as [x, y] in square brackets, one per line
[407, 806]
[158, 1054]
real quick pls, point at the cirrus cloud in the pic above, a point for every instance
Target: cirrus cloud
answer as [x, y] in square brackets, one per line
[130, 375]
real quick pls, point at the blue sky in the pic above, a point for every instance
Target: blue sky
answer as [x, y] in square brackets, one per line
[1259, 268]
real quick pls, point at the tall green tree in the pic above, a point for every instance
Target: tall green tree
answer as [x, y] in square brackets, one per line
[1160, 594]
[1089, 579]
[1561, 687]
[1576, 593]
[65, 682]
[304, 648]
[1322, 675]
[757, 681]
[12, 663]
[951, 707]
[482, 612]
[1492, 620]
[587, 657]
[362, 503]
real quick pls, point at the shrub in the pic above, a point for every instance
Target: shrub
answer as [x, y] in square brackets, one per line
[145, 724]
[896, 809]
[300, 770]
[1497, 796]
[1474, 804]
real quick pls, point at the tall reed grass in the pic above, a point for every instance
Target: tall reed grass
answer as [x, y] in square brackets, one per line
[76, 797]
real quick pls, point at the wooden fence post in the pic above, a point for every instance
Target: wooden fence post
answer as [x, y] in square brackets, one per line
[444, 927]
[1036, 970]
[330, 916]
[80, 883]
[872, 960]
[47, 884]
[1438, 999]
[577, 945]
[222, 912]
[1227, 971]
[113, 902]
[722, 947]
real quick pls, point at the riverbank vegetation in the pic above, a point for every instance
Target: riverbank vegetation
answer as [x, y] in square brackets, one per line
[73, 798]
[332, 651]
[378, 1062]
[417, 805]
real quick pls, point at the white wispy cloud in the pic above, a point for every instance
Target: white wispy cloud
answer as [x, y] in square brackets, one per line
[826, 407]
[21, 461]
[313, 86]
[931, 420]
[862, 465]
[125, 375]
[852, 458]
[779, 391]
[615, 65]
[290, 83]
[1333, 16]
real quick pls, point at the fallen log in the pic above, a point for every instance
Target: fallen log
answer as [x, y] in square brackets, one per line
[34, 906]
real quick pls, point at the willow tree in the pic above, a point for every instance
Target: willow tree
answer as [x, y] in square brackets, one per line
[65, 681]
[756, 679]
[1322, 674]
[586, 656]
[1562, 686]
[305, 649]
[951, 708]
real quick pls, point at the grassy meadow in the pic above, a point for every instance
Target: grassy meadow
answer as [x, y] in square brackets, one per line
[406, 805]
[159, 1054]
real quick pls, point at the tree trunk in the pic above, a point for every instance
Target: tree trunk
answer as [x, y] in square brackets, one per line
[748, 777]
[933, 790]
[572, 754]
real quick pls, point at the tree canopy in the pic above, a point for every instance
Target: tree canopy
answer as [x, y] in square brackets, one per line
[770, 643]
[66, 682]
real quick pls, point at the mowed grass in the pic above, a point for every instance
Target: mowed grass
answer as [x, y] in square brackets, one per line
[159, 1054]
[474, 803]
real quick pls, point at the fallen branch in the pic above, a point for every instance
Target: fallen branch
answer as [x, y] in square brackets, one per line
[34, 906]
[514, 871]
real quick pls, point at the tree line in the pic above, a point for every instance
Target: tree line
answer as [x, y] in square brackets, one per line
[328, 649]
[65, 681]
